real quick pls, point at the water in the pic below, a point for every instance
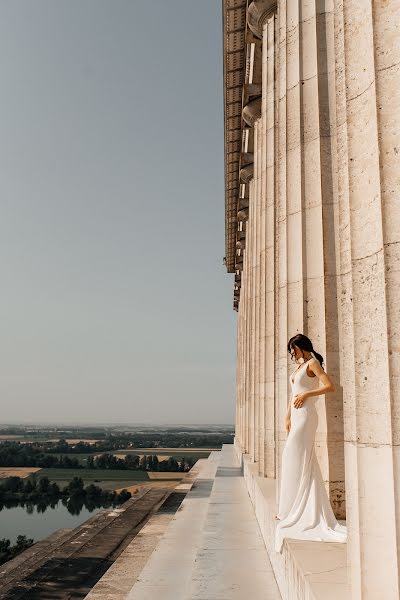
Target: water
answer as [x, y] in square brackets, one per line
[38, 525]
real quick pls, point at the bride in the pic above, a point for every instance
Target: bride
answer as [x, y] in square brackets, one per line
[305, 512]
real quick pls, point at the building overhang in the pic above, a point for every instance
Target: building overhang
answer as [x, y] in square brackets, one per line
[234, 30]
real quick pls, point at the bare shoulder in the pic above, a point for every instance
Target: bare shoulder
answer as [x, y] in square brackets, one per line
[314, 367]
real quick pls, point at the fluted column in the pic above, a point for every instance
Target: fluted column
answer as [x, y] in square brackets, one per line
[312, 225]
[331, 438]
[237, 411]
[318, 235]
[263, 161]
[251, 319]
[240, 373]
[258, 139]
[295, 242]
[370, 485]
[282, 390]
[269, 90]
[257, 281]
[345, 291]
[387, 67]
[246, 273]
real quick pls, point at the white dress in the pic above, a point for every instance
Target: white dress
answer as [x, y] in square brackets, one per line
[305, 511]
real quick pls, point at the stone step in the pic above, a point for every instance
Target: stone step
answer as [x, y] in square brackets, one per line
[70, 567]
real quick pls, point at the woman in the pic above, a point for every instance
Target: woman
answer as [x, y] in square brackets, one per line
[305, 512]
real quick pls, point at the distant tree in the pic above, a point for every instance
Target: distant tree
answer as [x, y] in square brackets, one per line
[92, 490]
[13, 484]
[124, 495]
[132, 461]
[75, 486]
[28, 486]
[44, 485]
[7, 551]
[54, 489]
[63, 446]
[172, 464]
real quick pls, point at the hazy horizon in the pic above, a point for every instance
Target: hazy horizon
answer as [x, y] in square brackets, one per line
[116, 424]
[115, 303]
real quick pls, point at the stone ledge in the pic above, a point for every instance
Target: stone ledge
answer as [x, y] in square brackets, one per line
[304, 570]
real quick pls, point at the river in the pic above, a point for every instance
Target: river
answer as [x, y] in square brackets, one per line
[38, 525]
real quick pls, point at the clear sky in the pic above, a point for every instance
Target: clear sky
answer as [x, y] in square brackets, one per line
[115, 305]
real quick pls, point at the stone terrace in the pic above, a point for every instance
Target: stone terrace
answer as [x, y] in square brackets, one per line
[211, 549]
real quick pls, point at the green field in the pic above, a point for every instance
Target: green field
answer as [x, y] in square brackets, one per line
[82, 458]
[108, 479]
[178, 454]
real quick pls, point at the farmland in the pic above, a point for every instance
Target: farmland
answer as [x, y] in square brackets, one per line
[107, 479]
[17, 471]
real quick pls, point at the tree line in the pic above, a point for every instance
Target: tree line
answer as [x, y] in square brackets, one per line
[15, 454]
[155, 438]
[8, 551]
[18, 489]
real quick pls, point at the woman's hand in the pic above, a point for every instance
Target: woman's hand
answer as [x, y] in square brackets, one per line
[288, 423]
[299, 399]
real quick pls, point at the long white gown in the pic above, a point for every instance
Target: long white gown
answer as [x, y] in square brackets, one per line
[305, 511]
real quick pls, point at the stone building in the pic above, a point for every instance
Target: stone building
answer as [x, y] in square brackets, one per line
[312, 145]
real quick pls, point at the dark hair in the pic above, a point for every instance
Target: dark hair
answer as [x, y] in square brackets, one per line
[304, 343]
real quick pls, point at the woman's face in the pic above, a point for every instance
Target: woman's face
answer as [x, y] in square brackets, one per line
[296, 353]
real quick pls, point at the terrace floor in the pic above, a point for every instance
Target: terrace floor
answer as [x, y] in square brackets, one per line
[211, 549]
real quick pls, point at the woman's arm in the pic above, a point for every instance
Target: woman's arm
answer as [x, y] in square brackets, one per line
[327, 384]
[288, 415]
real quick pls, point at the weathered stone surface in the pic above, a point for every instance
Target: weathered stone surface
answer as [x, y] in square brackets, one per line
[322, 257]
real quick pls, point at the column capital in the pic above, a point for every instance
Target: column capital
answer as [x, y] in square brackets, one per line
[251, 112]
[246, 174]
[258, 12]
[243, 213]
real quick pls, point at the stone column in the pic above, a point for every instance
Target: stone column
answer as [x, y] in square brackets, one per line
[251, 329]
[251, 113]
[386, 17]
[311, 190]
[258, 140]
[261, 22]
[269, 90]
[295, 243]
[257, 283]
[332, 441]
[246, 273]
[263, 160]
[372, 548]
[281, 293]
[237, 411]
[318, 235]
[240, 372]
